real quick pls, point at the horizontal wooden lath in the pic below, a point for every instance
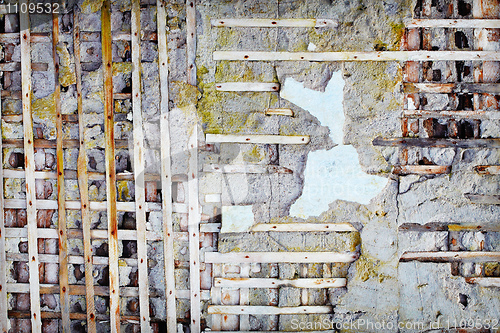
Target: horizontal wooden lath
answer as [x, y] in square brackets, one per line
[444, 226]
[452, 23]
[358, 56]
[85, 36]
[44, 143]
[483, 199]
[279, 112]
[448, 88]
[275, 283]
[258, 138]
[484, 282]
[477, 114]
[303, 227]
[271, 23]
[434, 142]
[247, 86]
[451, 256]
[266, 310]
[245, 168]
[421, 169]
[16, 66]
[487, 169]
[277, 257]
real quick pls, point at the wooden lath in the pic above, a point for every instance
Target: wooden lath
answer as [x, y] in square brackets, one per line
[29, 165]
[4, 319]
[114, 298]
[140, 188]
[274, 23]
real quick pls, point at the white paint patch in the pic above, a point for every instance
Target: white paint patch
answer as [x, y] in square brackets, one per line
[236, 218]
[311, 47]
[336, 173]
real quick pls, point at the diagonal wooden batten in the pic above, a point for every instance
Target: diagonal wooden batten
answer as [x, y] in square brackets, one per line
[280, 257]
[483, 199]
[448, 88]
[258, 138]
[272, 23]
[436, 142]
[31, 215]
[275, 283]
[4, 319]
[61, 194]
[114, 298]
[357, 56]
[451, 256]
[166, 174]
[487, 169]
[267, 310]
[83, 182]
[140, 188]
[452, 23]
[247, 86]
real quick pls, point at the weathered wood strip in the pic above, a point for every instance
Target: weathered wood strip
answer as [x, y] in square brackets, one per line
[442, 226]
[303, 227]
[66, 117]
[216, 297]
[484, 282]
[72, 316]
[166, 173]
[114, 298]
[61, 193]
[272, 23]
[483, 199]
[245, 168]
[210, 227]
[31, 214]
[275, 283]
[4, 319]
[421, 169]
[16, 66]
[86, 36]
[432, 142]
[487, 169]
[44, 143]
[448, 88]
[258, 138]
[191, 42]
[83, 182]
[279, 112]
[247, 86]
[453, 23]
[357, 56]
[267, 310]
[280, 257]
[244, 298]
[451, 256]
[477, 114]
[140, 192]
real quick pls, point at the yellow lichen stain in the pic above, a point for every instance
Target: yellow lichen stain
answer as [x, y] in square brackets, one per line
[184, 94]
[123, 190]
[367, 268]
[67, 75]
[122, 67]
[91, 6]
[44, 109]
[254, 155]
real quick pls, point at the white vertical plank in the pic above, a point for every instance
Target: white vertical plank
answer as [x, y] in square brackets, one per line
[191, 41]
[244, 298]
[36, 320]
[140, 188]
[216, 319]
[166, 174]
[4, 318]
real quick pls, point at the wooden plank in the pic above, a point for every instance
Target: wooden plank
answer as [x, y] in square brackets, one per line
[484, 282]
[267, 310]
[276, 283]
[487, 169]
[245, 168]
[86, 36]
[453, 23]
[83, 182]
[166, 173]
[114, 298]
[441, 143]
[74, 260]
[210, 227]
[43, 143]
[302, 227]
[280, 257]
[244, 297]
[451, 256]
[442, 226]
[29, 157]
[272, 23]
[421, 169]
[247, 86]
[216, 297]
[140, 186]
[448, 88]
[191, 43]
[477, 114]
[258, 138]
[279, 112]
[357, 56]
[4, 319]
[61, 193]
[16, 66]
[483, 199]
[94, 234]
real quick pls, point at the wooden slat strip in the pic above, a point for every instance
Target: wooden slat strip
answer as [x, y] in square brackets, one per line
[272, 23]
[280, 257]
[210, 227]
[16, 66]
[451, 256]
[4, 319]
[275, 283]
[216, 297]
[247, 86]
[86, 36]
[83, 182]
[244, 297]
[114, 298]
[191, 42]
[267, 310]
[258, 138]
[483, 199]
[484, 282]
[476, 114]
[74, 316]
[442, 143]
[487, 169]
[61, 193]
[43, 143]
[443, 226]
[245, 168]
[94, 234]
[303, 227]
[357, 56]
[31, 215]
[453, 23]
[448, 88]
[279, 112]
[166, 173]
[140, 188]
[421, 169]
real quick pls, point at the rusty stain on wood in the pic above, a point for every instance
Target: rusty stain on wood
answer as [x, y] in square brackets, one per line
[487, 169]
[421, 169]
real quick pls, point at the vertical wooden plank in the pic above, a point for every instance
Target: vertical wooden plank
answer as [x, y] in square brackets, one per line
[166, 174]
[245, 298]
[140, 188]
[29, 164]
[114, 297]
[61, 195]
[191, 41]
[4, 318]
[83, 182]
[216, 294]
